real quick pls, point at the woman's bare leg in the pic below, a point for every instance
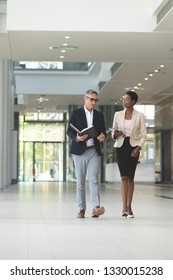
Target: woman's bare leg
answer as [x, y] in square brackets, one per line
[124, 192]
[130, 195]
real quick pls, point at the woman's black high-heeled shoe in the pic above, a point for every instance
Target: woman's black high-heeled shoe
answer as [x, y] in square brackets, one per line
[124, 214]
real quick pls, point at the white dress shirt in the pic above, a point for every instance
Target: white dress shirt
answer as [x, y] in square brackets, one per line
[89, 117]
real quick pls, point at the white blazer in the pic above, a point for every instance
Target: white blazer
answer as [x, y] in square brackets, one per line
[138, 128]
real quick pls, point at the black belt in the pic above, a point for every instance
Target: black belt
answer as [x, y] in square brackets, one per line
[89, 147]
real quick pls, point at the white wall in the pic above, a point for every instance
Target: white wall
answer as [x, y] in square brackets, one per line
[77, 15]
[53, 84]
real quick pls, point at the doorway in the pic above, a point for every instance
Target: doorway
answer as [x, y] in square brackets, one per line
[43, 161]
[42, 147]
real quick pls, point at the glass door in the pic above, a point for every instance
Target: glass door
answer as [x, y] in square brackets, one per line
[43, 161]
[27, 172]
[48, 161]
[42, 147]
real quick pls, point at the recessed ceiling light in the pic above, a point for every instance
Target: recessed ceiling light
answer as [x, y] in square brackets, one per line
[64, 46]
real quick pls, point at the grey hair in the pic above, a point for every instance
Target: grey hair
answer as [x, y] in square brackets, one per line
[91, 91]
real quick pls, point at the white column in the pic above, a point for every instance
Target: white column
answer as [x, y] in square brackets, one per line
[1, 124]
[6, 114]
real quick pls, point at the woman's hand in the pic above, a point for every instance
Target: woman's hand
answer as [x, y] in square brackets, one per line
[117, 134]
[136, 151]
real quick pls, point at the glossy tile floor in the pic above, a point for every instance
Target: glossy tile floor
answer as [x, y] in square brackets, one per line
[38, 221]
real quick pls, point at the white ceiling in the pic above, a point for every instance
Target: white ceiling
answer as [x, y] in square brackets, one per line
[139, 53]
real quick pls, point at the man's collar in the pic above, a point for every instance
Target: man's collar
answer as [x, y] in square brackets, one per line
[86, 110]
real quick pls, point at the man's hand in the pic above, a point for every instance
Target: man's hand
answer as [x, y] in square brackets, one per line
[81, 138]
[101, 137]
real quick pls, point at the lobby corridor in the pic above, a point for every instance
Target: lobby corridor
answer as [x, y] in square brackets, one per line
[38, 222]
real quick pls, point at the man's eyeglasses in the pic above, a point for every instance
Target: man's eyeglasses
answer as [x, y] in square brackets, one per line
[93, 99]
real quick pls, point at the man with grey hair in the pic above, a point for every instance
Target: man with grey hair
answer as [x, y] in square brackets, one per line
[86, 152]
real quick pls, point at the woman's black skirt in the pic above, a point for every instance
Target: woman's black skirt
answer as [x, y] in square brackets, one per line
[126, 163]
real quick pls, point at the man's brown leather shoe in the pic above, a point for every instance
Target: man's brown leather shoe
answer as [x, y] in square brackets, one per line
[97, 211]
[81, 214]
